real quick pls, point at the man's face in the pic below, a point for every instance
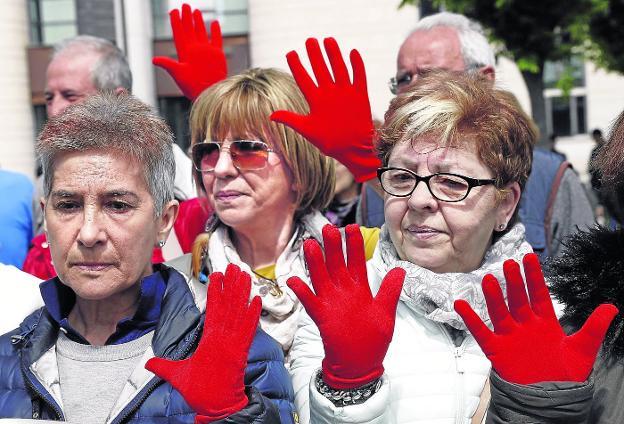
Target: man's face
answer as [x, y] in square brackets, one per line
[68, 79]
[423, 51]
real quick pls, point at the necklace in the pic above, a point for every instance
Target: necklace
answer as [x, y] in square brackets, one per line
[267, 285]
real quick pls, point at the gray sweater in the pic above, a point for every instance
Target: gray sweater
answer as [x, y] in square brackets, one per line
[92, 377]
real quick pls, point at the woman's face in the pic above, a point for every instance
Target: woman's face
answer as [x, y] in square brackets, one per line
[443, 236]
[250, 199]
[100, 223]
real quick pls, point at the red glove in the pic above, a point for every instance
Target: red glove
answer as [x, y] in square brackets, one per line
[355, 326]
[212, 379]
[340, 123]
[201, 59]
[528, 345]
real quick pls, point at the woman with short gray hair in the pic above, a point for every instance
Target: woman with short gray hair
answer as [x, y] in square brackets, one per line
[108, 200]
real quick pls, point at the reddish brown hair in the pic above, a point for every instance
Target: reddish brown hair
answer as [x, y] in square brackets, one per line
[464, 108]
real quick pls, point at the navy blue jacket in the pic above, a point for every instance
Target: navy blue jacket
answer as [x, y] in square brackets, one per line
[22, 394]
[538, 199]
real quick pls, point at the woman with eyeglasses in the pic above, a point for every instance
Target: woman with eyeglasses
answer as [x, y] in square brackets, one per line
[381, 341]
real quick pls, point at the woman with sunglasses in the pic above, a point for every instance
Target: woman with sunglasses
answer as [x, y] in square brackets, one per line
[381, 341]
[266, 184]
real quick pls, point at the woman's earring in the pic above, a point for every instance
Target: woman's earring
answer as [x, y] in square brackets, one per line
[161, 243]
[501, 227]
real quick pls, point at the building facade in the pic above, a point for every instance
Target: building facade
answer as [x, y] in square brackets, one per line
[256, 33]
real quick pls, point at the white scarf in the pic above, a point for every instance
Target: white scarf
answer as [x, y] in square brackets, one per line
[432, 295]
[280, 314]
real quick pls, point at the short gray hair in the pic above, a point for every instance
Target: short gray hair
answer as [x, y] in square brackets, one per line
[111, 71]
[476, 50]
[117, 123]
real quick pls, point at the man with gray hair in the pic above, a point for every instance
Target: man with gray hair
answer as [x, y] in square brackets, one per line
[554, 203]
[443, 41]
[82, 66]
[85, 65]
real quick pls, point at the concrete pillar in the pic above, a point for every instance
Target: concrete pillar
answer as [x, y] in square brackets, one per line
[120, 27]
[16, 121]
[137, 43]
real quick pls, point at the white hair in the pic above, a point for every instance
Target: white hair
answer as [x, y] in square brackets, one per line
[476, 50]
[111, 70]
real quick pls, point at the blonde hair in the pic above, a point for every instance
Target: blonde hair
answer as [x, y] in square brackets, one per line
[239, 107]
[463, 108]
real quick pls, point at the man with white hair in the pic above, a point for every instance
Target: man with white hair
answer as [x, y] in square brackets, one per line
[85, 65]
[82, 66]
[443, 41]
[554, 203]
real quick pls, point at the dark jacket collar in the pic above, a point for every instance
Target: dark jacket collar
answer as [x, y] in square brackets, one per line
[179, 318]
[588, 273]
[59, 300]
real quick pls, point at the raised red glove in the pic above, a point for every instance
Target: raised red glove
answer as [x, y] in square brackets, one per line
[356, 327]
[340, 123]
[212, 379]
[528, 345]
[201, 60]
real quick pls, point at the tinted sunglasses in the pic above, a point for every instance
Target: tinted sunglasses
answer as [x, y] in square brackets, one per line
[247, 155]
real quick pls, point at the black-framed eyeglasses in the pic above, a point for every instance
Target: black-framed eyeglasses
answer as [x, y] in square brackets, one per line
[405, 78]
[447, 187]
[247, 155]
[396, 83]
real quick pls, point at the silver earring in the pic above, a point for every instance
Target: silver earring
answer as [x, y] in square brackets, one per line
[502, 227]
[161, 243]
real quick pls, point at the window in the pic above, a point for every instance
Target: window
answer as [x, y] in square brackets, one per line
[175, 110]
[572, 69]
[565, 114]
[39, 117]
[232, 15]
[52, 20]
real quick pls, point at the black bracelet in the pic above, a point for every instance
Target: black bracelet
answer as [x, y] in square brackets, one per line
[349, 396]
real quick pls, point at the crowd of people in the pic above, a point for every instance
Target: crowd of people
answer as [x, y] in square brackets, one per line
[234, 285]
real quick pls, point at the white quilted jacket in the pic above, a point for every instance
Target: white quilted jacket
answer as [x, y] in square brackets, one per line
[427, 378]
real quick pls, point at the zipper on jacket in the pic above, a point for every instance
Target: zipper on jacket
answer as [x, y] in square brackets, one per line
[22, 339]
[136, 403]
[18, 339]
[458, 352]
[40, 395]
[459, 367]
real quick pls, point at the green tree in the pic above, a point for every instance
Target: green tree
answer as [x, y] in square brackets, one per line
[530, 32]
[606, 29]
